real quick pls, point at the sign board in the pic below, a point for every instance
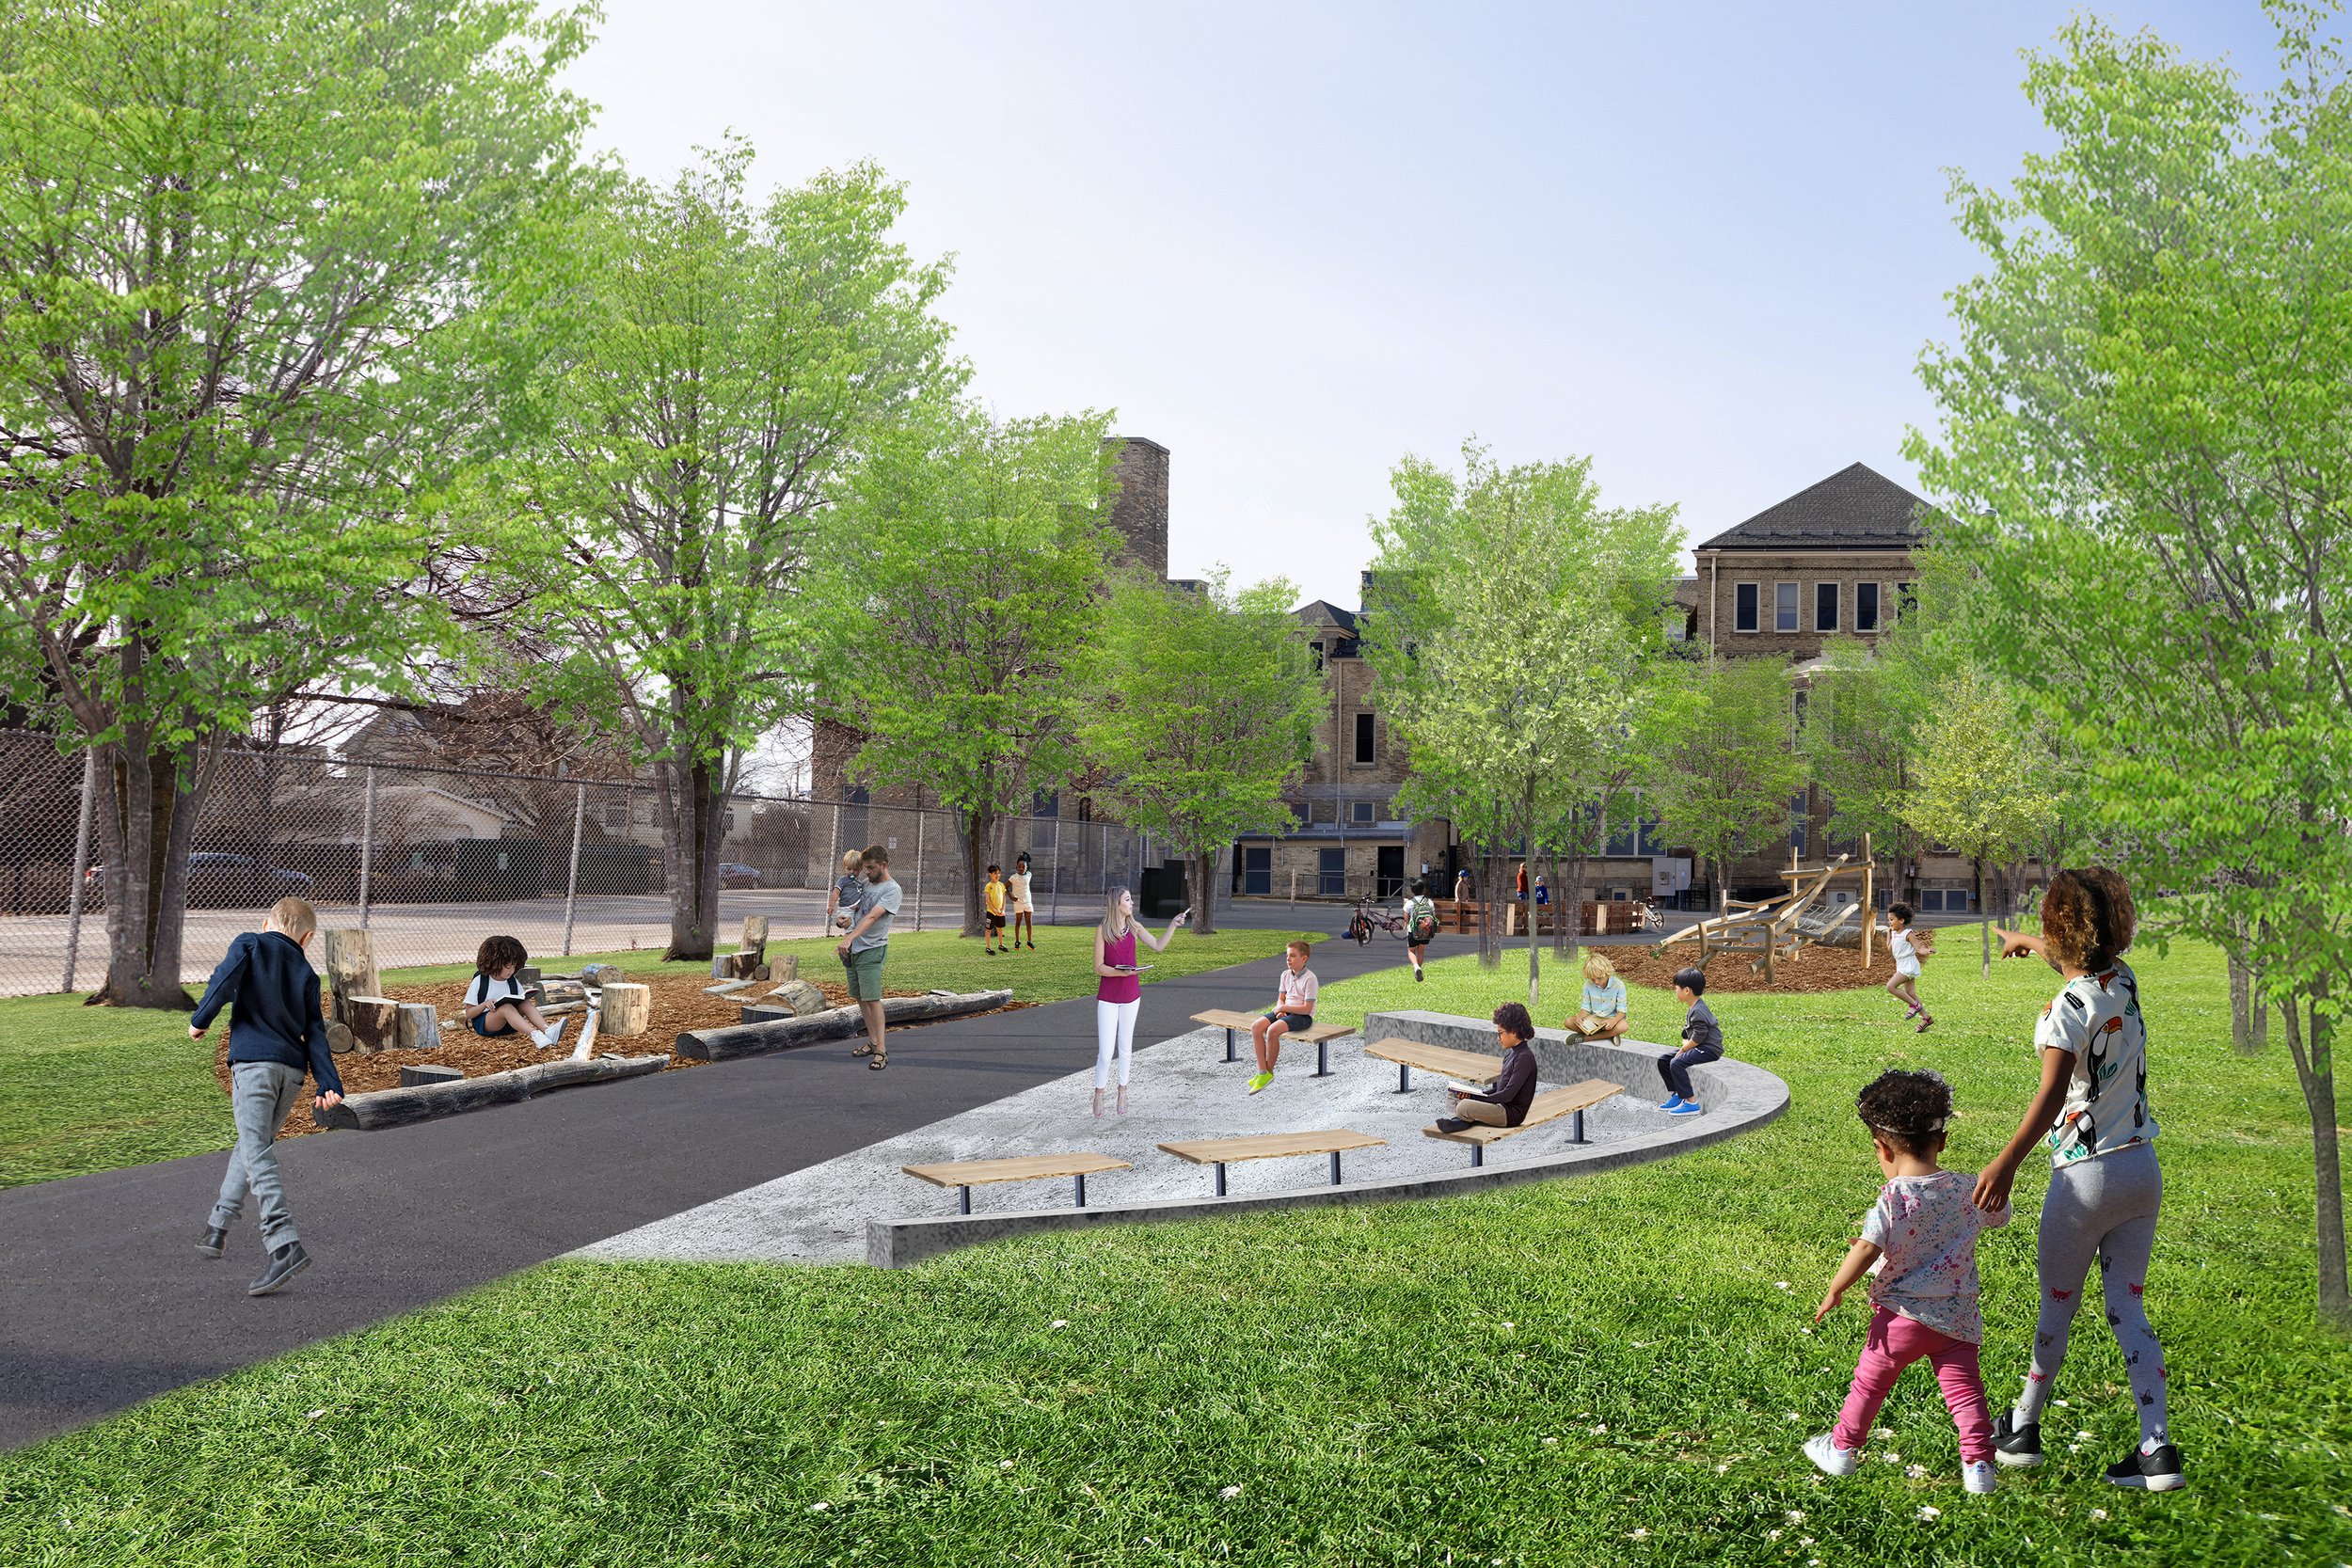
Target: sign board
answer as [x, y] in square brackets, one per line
[891, 846]
[1669, 876]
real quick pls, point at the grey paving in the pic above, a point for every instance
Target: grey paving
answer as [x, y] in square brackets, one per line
[104, 1302]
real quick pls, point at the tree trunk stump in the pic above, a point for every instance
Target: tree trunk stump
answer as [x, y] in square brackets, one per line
[350, 957]
[628, 1010]
[375, 1022]
[419, 1026]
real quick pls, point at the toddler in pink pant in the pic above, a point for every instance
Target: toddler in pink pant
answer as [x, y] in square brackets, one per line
[1919, 1243]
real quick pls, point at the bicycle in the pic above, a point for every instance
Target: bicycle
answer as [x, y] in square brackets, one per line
[1371, 917]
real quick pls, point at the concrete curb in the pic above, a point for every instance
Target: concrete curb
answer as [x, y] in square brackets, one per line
[1739, 1097]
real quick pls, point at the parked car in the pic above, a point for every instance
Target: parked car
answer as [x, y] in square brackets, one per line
[735, 873]
[219, 880]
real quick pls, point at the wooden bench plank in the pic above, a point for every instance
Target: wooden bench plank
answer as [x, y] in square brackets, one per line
[1548, 1106]
[1026, 1167]
[964, 1174]
[1468, 1065]
[1236, 1025]
[1221, 1152]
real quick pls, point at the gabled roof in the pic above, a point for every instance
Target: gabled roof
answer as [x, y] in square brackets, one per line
[1322, 612]
[1857, 508]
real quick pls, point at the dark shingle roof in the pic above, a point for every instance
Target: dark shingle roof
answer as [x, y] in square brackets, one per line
[1856, 507]
[1321, 612]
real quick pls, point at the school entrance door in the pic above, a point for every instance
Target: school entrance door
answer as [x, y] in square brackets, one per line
[1390, 871]
[1257, 871]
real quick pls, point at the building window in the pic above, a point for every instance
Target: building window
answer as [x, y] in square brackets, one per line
[1904, 602]
[1047, 803]
[1367, 811]
[1364, 738]
[1797, 822]
[1349, 647]
[1331, 873]
[1316, 649]
[1743, 601]
[616, 818]
[1798, 704]
[1784, 607]
[1826, 606]
[1866, 606]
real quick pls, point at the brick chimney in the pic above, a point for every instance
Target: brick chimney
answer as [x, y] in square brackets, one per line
[1140, 511]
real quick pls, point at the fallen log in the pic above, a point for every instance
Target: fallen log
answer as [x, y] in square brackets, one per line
[428, 1101]
[766, 1027]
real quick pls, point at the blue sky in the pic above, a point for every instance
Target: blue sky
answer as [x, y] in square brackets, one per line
[1701, 242]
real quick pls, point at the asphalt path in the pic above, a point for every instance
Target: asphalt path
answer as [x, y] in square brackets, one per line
[104, 1301]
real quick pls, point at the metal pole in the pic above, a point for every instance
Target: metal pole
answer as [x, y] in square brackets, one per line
[367, 848]
[81, 862]
[571, 877]
[1053, 916]
[833, 857]
[920, 817]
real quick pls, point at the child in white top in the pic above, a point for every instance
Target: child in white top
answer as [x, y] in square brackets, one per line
[1908, 946]
[1017, 885]
[1919, 1243]
[1293, 1011]
[497, 1002]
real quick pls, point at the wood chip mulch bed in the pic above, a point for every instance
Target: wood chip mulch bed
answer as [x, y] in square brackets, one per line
[1812, 970]
[678, 1005]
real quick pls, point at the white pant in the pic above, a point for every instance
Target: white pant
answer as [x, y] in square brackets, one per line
[1114, 1030]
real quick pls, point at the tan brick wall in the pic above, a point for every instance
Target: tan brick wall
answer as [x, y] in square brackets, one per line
[1715, 597]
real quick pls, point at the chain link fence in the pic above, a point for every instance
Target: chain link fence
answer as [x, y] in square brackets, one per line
[432, 859]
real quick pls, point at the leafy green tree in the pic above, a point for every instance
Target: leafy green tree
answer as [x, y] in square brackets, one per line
[2143, 442]
[721, 364]
[1514, 610]
[244, 250]
[956, 593]
[1725, 768]
[1980, 783]
[1198, 709]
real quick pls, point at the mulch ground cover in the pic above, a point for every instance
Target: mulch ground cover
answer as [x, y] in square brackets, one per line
[1813, 970]
[679, 1004]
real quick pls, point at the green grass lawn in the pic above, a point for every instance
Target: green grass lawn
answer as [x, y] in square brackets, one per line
[1606, 1370]
[96, 1088]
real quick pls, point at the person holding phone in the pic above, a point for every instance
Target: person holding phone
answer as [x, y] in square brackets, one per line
[1118, 994]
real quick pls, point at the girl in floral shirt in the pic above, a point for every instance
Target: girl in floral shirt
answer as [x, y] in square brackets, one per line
[2106, 1189]
[1919, 1243]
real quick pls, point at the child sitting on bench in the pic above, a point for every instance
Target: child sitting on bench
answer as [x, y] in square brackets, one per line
[496, 1002]
[1506, 1103]
[1293, 1011]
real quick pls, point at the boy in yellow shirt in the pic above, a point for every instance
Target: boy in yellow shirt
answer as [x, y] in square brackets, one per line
[993, 937]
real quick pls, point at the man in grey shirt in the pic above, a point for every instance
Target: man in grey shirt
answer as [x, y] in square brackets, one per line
[863, 950]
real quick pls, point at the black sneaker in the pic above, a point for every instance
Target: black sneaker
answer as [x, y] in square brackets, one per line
[2013, 1445]
[1419, 975]
[1450, 1124]
[2159, 1471]
[215, 1239]
[286, 1262]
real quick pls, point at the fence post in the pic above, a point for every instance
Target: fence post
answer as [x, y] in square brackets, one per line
[81, 862]
[1053, 916]
[571, 877]
[367, 850]
[920, 817]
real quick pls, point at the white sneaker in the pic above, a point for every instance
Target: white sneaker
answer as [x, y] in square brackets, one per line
[1834, 1461]
[1979, 1478]
[551, 1034]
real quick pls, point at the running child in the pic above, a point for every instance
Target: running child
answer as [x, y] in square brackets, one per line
[1018, 884]
[1293, 1010]
[1602, 1016]
[1702, 1043]
[993, 929]
[496, 1004]
[1908, 946]
[1420, 916]
[1919, 1243]
[277, 1032]
[2106, 1189]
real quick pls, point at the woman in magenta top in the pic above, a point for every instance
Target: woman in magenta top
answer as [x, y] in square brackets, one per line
[1118, 994]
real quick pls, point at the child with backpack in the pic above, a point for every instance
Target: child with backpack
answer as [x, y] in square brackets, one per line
[1420, 927]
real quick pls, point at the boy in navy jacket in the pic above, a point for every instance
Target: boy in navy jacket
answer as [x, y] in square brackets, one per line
[275, 1034]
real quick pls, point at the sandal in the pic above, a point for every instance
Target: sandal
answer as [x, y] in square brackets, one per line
[864, 1048]
[879, 1060]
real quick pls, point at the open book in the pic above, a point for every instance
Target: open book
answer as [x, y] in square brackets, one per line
[1456, 1086]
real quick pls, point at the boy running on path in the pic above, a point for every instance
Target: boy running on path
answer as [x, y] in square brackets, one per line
[275, 1032]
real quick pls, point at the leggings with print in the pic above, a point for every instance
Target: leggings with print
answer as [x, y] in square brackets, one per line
[2105, 1206]
[1114, 1033]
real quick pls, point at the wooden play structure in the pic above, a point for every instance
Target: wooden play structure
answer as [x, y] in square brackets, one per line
[1776, 930]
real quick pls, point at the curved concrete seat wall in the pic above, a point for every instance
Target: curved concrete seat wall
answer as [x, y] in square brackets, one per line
[1737, 1097]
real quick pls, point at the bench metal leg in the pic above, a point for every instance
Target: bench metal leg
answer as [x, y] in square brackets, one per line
[1576, 1127]
[964, 1200]
[1335, 1167]
[1082, 1189]
[1404, 1079]
[1220, 1178]
[1229, 1047]
[1478, 1155]
[1323, 1059]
